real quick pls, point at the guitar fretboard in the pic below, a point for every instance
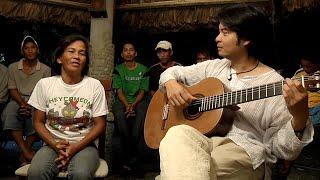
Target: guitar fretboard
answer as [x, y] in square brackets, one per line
[241, 96]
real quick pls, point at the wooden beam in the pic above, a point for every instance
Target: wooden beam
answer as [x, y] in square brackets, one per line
[179, 3]
[67, 3]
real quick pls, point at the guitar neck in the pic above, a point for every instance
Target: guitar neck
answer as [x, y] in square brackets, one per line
[241, 96]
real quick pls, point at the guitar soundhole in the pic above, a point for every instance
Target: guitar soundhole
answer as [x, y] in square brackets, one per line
[192, 111]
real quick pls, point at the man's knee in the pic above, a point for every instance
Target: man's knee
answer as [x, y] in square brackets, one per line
[176, 134]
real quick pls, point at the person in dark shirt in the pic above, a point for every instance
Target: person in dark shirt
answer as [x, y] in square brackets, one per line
[164, 53]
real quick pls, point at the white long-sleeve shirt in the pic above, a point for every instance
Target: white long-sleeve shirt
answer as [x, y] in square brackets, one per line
[262, 127]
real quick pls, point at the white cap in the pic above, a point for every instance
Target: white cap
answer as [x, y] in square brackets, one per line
[164, 45]
[28, 37]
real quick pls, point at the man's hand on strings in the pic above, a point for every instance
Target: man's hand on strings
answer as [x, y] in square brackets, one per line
[177, 94]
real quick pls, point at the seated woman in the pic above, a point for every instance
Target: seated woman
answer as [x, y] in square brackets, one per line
[70, 115]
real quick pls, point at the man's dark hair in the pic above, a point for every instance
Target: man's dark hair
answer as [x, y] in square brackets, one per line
[63, 44]
[249, 23]
[128, 42]
[203, 51]
[310, 54]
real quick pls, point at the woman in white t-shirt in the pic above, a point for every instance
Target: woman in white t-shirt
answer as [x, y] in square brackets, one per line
[70, 115]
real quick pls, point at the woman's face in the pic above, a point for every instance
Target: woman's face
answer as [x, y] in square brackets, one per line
[74, 58]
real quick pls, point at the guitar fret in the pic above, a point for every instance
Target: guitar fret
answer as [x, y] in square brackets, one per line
[246, 95]
[207, 103]
[222, 100]
[227, 99]
[274, 89]
[201, 107]
[236, 98]
[266, 90]
[251, 93]
[212, 102]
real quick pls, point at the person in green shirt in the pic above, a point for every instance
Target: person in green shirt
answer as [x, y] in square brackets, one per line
[130, 106]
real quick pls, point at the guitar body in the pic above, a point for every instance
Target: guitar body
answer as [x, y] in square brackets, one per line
[213, 122]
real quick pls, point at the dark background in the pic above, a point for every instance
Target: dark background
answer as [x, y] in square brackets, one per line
[293, 32]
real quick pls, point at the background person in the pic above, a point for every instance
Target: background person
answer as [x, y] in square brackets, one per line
[23, 76]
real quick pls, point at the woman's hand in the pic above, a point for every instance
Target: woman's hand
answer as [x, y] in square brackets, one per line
[63, 159]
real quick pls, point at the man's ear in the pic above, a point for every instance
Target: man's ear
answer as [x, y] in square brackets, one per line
[59, 61]
[171, 52]
[121, 55]
[245, 42]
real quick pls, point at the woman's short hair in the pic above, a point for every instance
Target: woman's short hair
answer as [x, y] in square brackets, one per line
[63, 44]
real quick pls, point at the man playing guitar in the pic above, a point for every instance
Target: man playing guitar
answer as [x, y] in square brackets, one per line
[262, 131]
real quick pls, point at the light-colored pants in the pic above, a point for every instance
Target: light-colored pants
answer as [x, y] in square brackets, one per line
[187, 154]
[82, 165]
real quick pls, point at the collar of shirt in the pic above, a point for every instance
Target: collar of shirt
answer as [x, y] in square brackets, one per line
[20, 65]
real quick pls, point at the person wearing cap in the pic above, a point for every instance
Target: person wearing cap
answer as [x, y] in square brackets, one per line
[130, 106]
[23, 76]
[164, 53]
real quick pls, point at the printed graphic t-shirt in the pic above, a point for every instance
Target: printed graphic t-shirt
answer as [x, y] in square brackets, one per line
[69, 108]
[130, 81]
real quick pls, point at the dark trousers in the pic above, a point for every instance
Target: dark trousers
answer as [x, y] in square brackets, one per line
[130, 132]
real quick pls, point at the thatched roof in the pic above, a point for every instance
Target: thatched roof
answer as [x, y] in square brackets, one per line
[292, 5]
[73, 14]
[173, 16]
[135, 15]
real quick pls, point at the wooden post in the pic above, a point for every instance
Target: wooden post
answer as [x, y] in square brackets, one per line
[101, 65]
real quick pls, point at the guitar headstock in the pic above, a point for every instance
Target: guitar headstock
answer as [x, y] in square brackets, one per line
[311, 83]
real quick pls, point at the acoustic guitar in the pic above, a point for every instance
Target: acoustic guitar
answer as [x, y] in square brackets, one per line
[209, 113]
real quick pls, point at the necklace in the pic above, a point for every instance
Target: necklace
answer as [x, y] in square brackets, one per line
[237, 73]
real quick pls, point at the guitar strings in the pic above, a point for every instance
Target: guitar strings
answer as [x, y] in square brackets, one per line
[222, 97]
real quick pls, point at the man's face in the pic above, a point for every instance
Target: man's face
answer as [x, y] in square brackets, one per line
[30, 50]
[164, 55]
[309, 67]
[128, 53]
[202, 57]
[228, 44]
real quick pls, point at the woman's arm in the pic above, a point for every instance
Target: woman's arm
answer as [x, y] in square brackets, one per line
[97, 129]
[38, 124]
